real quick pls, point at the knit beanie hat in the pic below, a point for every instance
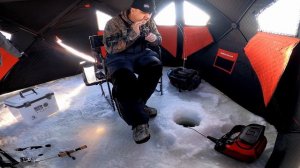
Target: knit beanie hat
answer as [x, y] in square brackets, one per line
[147, 6]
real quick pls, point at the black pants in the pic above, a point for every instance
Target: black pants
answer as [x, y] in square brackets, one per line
[134, 78]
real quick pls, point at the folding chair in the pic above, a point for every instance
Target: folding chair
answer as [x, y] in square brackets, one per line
[101, 72]
[96, 73]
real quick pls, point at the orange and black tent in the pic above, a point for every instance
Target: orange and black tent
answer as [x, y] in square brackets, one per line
[248, 49]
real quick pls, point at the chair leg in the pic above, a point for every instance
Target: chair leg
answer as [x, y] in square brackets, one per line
[160, 86]
[111, 100]
[161, 79]
[118, 107]
[102, 90]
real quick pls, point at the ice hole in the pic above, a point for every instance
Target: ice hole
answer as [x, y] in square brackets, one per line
[187, 118]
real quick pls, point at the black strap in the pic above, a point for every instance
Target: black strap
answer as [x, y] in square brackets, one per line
[236, 129]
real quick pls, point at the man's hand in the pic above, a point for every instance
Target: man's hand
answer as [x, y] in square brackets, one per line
[136, 26]
[151, 37]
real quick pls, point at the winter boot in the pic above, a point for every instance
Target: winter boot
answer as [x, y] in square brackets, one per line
[151, 111]
[141, 133]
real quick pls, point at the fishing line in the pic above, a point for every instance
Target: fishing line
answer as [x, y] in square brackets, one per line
[197, 132]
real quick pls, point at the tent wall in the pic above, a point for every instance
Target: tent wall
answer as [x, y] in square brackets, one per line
[232, 24]
[232, 27]
[42, 66]
[44, 60]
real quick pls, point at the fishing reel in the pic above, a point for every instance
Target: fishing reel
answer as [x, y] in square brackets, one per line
[144, 31]
[243, 143]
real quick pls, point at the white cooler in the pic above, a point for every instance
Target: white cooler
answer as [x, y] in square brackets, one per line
[32, 105]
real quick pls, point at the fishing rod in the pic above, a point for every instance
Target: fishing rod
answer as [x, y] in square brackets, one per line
[29, 160]
[11, 162]
[26, 159]
[33, 147]
[64, 154]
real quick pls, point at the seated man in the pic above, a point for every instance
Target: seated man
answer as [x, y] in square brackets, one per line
[125, 38]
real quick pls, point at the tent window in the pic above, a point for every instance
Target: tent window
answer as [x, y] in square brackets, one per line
[282, 17]
[194, 16]
[225, 60]
[102, 19]
[167, 16]
[7, 35]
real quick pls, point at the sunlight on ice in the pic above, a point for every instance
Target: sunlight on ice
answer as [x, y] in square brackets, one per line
[91, 135]
[7, 118]
[64, 100]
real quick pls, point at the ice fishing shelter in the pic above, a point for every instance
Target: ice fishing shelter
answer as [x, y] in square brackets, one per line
[248, 49]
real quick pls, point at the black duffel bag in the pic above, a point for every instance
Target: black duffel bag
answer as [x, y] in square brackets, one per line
[184, 79]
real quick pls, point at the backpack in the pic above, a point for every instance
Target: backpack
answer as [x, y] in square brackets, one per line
[184, 79]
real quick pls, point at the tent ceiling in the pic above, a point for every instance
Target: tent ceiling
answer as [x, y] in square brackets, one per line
[36, 16]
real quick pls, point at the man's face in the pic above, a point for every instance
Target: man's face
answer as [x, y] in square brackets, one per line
[138, 15]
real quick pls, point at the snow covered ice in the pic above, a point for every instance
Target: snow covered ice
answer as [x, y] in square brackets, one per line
[85, 118]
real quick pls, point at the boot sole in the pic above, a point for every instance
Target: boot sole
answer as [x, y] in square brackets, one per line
[152, 116]
[143, 140]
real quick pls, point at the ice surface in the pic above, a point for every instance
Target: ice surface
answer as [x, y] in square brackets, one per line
[85, 118]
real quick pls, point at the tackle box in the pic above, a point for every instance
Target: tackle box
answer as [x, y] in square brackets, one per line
[32, 104]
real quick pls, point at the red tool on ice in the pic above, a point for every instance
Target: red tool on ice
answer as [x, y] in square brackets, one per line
[244, 143]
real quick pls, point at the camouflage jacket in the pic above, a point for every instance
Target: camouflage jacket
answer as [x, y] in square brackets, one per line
[118, 36]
